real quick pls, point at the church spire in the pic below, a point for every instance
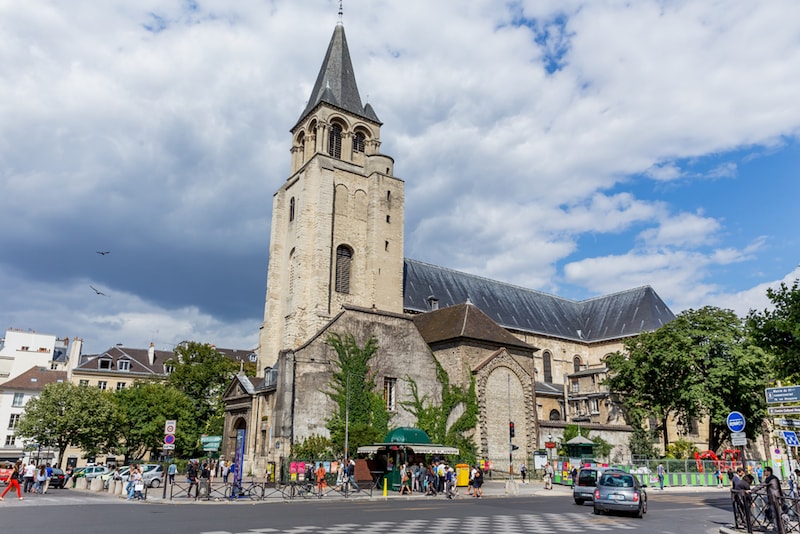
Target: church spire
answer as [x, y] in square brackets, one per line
[336, 81]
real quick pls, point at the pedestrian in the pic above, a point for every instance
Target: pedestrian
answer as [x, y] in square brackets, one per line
[760, 473]
[192, 475]
[39, 479]
[321, 482]
[471, 479]
[13, 480]
[573, 476]
[405, 480]
[415, 469]
[660, 475]
[522, 471]
[172, 470]
[548, 476]
[794, 479]
[718, 477]
[67, 474]
[772, 486]
[477, 484]
[28, 475]
[450, 483]
[430, 481]
[351, 475]
[138, 484]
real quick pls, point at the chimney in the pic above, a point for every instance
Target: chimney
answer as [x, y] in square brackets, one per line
[433, 303]
[74, 356]
[151, 353]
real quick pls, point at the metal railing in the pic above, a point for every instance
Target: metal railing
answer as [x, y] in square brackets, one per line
[758, 512]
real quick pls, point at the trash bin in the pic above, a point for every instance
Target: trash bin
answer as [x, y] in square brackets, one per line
[462, 475]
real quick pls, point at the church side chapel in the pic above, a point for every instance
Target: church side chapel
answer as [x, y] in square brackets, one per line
[336, 268]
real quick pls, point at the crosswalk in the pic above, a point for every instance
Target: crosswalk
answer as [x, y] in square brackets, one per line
[541, 523]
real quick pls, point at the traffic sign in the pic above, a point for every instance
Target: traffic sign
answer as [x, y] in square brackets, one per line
[169, 447]
[784, 394]
[793, 423]
[790, 437]
[783, 410]
[738, 435]
[169, 439]
[169, 426]
[211, 443]
[738, 442]
[735, 422]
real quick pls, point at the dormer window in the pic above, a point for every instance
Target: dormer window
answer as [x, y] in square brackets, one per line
[124, 365]
[104, 363]
[168, 369]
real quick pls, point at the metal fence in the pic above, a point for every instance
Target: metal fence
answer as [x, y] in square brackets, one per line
[757, 512]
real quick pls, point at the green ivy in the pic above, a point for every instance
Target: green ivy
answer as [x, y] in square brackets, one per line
[433, 418]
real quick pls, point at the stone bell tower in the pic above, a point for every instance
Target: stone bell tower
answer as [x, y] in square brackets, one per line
[337, 222]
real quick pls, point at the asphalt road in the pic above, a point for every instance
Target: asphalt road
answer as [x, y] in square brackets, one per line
[69, 512]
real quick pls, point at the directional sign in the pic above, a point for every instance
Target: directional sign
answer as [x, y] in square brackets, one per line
[735, 422]
[790, 438]
[784, 394]
[169, 426]
[783, 410]
[211, 443]
[793, 423]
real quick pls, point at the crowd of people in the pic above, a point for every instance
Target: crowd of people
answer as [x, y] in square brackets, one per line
[438, 478]
[28, 478]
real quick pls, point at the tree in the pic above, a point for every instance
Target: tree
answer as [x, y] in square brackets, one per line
[144, 409]
[68, 415]
[203, 373]
[701, 363]
[777, 331]
[601, 449]
[353, 389]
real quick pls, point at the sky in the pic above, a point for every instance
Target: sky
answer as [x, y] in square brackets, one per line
[574, 147]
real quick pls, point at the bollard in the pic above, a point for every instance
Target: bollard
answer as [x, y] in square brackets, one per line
[385, 486]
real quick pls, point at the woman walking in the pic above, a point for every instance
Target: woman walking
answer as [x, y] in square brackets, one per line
[13, 481]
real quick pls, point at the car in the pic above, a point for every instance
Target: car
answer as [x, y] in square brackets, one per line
[620, 492]
[583, 490]
[93, 471]
[58, 478]
[152, 474]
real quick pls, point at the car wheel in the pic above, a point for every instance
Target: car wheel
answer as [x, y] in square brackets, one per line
[640, 511]
[579, 502]
[598, 511]
[644, 506]
[156, 482]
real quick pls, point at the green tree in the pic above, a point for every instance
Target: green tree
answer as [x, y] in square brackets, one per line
[433, 417]
[699, 364]
[353, 389]
[640, 442]
[313, 448]
[203, 373]
[66, 415]
[681, 450]
[777, 331]
[144, 409]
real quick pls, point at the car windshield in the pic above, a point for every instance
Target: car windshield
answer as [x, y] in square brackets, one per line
[617, 481]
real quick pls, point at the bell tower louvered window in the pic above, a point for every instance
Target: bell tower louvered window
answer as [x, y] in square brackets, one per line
[335, 141]
[358, 142]
[344, 258]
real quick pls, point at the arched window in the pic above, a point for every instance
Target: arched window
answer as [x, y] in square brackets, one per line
[548, 367]
[358, 142]
[291, 209]
[292, 271]
[335, 141]
[576, 363]
[344, 257]
[555, 415]
[301, 142]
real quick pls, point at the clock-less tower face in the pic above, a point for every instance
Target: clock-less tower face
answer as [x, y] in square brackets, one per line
[337, 222]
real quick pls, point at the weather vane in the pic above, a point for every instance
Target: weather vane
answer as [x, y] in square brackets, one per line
[341, 11]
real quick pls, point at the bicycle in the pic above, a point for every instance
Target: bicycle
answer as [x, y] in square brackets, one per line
[255, 491]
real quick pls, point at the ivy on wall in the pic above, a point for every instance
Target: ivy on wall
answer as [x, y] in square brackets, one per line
[432, 418]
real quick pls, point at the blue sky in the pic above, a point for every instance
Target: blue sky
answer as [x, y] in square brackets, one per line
[578, 148]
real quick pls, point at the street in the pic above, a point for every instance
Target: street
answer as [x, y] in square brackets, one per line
[73, 511]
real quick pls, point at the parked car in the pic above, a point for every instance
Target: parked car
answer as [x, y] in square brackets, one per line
[620, 491]
[58, 478]
[93, 471]
[151, 474]
[6, 468]
[123, 473]
[584, 487]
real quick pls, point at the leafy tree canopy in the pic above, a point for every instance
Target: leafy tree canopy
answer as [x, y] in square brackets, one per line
[777, 331]
[144, 409]
[602, 448]
[68, 415]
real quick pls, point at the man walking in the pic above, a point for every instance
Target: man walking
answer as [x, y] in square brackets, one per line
[28, 474]
[660, 474]
[548, 476]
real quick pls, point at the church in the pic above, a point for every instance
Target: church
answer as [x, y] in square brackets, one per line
[336, 266]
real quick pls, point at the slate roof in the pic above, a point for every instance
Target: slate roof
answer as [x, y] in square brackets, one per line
[614, 316]
[464, 321]
[35, 379]
[546, 388]
[336, 82]
[138, 358]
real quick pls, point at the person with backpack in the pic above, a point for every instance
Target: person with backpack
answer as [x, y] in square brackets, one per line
[477, 482]
[13, 480]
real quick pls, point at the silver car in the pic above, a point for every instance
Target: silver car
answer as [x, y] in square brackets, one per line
[620, 492]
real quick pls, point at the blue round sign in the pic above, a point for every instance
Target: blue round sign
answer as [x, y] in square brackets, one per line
[735, 422]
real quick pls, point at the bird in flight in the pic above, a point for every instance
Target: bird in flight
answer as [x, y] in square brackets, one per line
[97, 291]
[103, 252]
